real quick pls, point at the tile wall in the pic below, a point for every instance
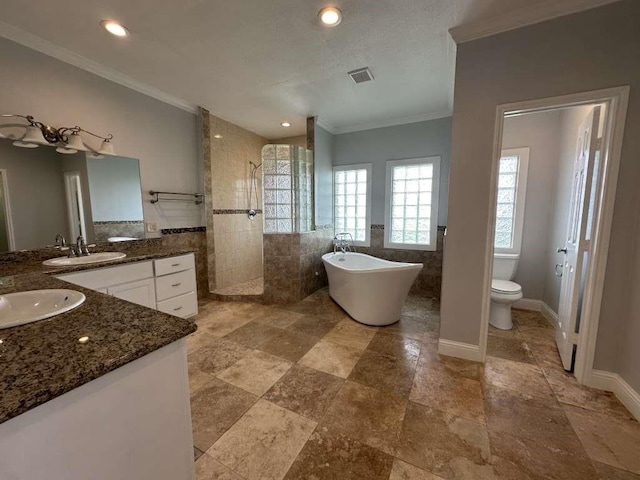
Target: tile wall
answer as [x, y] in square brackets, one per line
[291, 262]
[234, 242]
[104, 230]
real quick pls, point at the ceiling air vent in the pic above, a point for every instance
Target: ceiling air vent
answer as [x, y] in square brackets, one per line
[361, 75]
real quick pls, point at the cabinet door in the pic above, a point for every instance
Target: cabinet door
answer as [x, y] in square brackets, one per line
[142, 292]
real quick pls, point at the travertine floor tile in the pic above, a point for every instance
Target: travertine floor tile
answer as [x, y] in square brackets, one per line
[607, 472]
[305, 391]
[510, 348]
[405, 471]
[449, 446]
[389, 374]
[607, 439]
[522, 459]
[208, 468]
[252, 334]
[256, 373]
[217, 356]
[332, 358]
[351, 334]
[457, 395]
[338, 457]
[289, 345]
[526, 380]
[394, 345]
[455, 367]
[411, 327]
[316, 327]
[541, 420]
[264, 442]
[530, 318]
[197, 453]
[214, 408]
[276, 317]
[367, 415]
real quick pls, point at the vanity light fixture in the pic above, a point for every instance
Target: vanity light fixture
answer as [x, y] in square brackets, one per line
[330, 16]
[286, 124]
[66, 139]
[115, 28]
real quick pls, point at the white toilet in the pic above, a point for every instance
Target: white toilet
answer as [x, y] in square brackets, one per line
[504, 292]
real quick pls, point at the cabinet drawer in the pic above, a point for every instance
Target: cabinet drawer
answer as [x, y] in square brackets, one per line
[175, 284]
[183, 306]
[107, 276]
[165, 266]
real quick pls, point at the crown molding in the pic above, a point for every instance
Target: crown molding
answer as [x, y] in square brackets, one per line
[392, 122]
[64, 55]
[321, 122]
[540, 12]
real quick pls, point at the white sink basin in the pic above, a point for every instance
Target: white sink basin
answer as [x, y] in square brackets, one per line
[87, 259]
[26, 307]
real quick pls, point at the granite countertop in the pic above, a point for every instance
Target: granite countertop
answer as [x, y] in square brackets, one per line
[43, 360]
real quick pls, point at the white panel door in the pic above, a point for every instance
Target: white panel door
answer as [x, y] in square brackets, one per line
[577, 244]
[142, 292]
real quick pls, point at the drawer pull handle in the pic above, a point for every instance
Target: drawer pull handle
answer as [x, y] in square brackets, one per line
[175, 264]
[176, 284]
[177, 308]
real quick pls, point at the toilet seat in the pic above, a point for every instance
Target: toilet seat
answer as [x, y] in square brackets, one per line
[505, 287]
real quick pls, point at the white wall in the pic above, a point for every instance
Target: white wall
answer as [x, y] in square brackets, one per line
[162, 137]
[591, 50]
[323, 175]
[541, 133]
[413, 140]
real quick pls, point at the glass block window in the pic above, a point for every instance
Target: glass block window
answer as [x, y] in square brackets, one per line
[287, 189]
[412, 203]
[510, 200]
[352, 202]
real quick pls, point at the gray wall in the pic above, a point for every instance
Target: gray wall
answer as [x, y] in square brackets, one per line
[109, 203]
[36, 192]
[323, 180]
[570, 121]
[376, 146]
[541, 133]
[163, 137]
[587, 51]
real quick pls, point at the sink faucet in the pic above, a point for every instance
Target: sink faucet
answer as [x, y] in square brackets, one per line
[60, 241]
[80, 248]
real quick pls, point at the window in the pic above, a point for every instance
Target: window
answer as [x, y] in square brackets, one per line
[352, 202]
[512, 186]
[411, 213]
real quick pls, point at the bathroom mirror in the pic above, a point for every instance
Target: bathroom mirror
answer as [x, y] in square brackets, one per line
[44, 193]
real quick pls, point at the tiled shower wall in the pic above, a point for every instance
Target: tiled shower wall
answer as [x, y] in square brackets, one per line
[293, 265]
[234, 241]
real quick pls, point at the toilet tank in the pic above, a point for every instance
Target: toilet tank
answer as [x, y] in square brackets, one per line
[505, 265]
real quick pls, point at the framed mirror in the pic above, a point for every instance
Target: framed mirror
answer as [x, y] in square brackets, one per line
[44, 193]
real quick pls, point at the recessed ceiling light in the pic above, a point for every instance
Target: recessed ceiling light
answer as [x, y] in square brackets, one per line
[286, 124]
[217, 135]
[114, 28]
[330, 16]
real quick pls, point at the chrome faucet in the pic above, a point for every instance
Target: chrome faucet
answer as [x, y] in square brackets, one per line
[340, 241]
[60, 241]
[79, 249]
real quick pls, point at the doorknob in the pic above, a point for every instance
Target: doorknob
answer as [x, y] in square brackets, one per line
[562, 250]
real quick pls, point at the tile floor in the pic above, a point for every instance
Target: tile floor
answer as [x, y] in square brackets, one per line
[251, 287]
[304, 392]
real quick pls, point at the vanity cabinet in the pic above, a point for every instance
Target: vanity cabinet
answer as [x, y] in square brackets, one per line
[167, 284]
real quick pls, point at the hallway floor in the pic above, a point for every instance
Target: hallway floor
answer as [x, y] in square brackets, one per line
[304, 392]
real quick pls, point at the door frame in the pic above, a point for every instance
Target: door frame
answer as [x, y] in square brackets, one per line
[7, 210]
[75, 177]
[617, 100]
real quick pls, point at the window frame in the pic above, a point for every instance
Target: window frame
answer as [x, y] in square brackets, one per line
[521, 198]
[360, 166]
[435, 197]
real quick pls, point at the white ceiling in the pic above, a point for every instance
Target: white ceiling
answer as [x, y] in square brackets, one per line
[259, 62]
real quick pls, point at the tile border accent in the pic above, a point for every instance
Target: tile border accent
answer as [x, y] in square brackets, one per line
[119, 222]
[465, 351]
[230, 211]
[171, 231]
[613, 382]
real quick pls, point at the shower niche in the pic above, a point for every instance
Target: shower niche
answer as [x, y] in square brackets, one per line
[287, 189]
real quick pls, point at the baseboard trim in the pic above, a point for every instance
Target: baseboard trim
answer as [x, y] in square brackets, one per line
[549, 314]
[465, 351]
[528, 304]
[613, 382]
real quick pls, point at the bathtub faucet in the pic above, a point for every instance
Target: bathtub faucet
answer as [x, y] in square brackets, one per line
[344, 242]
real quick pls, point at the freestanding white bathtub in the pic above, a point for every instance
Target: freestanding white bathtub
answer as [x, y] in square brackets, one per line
[370, 289]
